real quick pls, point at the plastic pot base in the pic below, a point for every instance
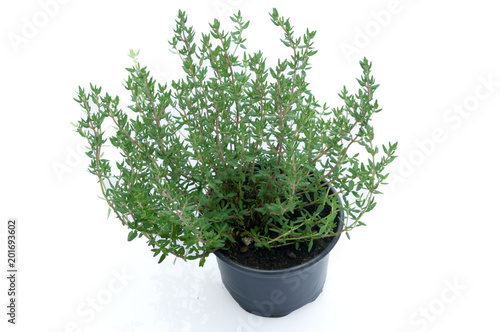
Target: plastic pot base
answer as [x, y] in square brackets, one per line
[273, 293]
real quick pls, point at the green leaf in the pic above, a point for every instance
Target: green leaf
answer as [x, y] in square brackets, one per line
[132, 235]
[322, 230]
[162, 258]
[319, 208]
[202, 261]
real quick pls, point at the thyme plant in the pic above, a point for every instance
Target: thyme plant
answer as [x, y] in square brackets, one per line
[236, 151]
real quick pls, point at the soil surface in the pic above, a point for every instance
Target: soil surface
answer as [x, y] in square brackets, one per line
[276, 258]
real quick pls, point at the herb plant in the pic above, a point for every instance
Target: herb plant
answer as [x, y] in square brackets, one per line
[235, 151]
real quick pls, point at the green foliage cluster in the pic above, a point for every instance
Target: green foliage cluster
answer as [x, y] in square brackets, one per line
[235, 150]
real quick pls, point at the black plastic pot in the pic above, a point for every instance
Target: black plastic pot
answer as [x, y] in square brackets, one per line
[276, 293]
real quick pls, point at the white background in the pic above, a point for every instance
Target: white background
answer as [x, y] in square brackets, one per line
[428, 259]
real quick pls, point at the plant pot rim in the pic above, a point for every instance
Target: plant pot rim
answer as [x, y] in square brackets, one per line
[340, 216]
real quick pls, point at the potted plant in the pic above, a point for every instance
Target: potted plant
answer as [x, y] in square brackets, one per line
[239, 159]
